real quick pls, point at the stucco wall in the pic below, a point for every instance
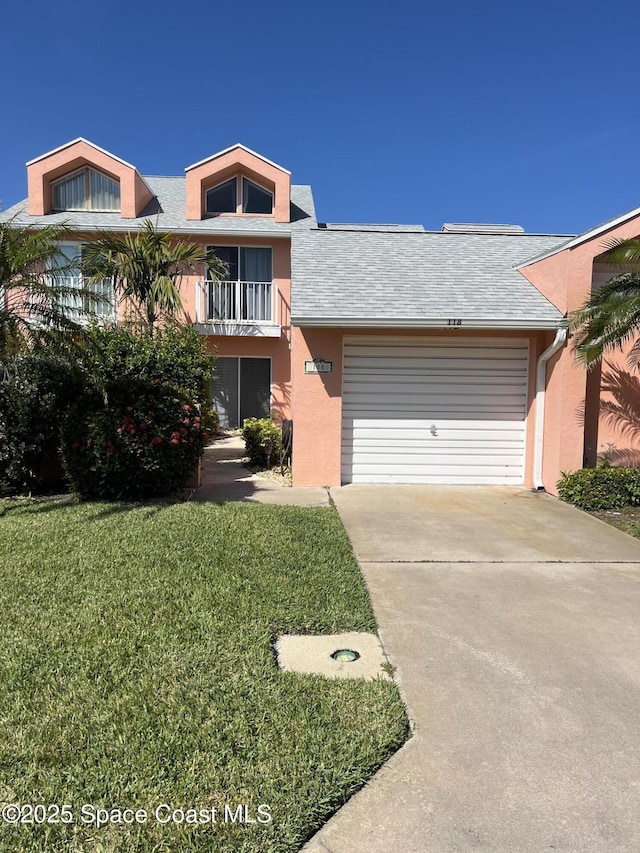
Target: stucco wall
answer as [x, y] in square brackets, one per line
[276, 348]
[581, 422]
[134, 192]
[317, 398]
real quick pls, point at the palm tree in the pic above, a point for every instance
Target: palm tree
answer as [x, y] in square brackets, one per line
[146, 268]
[36, 294]
[611, 317]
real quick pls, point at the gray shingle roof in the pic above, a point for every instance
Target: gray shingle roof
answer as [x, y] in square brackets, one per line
[168, 208]
[412, 278]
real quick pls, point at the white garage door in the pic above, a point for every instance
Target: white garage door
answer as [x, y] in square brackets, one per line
[434, 410]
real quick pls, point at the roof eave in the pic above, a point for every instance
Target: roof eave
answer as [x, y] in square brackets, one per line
[128, 225]
[518, 323]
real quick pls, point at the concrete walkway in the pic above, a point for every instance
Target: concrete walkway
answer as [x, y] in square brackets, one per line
[518, 653]
[225, 478]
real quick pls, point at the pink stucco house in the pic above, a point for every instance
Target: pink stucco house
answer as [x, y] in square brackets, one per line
[401, 355]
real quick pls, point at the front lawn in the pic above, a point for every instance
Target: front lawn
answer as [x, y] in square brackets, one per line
[137, 670]
[627, 519]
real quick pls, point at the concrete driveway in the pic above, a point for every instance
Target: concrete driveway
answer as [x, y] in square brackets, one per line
[518, 652]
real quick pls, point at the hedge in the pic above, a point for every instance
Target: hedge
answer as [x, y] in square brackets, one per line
[601, 488]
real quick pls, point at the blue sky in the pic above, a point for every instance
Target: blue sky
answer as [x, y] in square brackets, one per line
[404, 111]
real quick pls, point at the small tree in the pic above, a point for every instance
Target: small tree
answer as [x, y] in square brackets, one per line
[35, 294]
[146, 268]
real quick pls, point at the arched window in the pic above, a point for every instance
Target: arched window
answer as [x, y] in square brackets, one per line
[85, 189]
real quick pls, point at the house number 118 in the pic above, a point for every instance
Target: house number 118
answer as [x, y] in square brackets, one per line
[454, 322]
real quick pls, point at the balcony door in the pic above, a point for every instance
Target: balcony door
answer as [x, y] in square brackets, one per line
[241, 388]
[245, 294]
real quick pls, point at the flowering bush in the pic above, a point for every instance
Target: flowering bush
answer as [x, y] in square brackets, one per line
[138, 430]
[136, 440]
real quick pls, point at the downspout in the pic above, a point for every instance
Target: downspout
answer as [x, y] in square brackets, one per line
[541, 385]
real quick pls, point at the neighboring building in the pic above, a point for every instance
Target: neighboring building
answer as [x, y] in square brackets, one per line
[401, 355]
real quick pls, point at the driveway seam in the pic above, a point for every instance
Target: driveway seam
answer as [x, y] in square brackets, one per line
[497, 562]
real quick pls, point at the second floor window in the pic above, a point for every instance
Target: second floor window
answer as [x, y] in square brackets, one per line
[70, 279]
[245, 263]
[225, 198]
[245, 294]
[85, 189]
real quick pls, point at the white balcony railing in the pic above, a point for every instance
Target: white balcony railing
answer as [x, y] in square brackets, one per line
[237, 302]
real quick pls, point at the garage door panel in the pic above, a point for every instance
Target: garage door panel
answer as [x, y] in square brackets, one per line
[503, 413]
[438, 381]
[418, 428]
[430, 469]
[450, 438]
[432, 457]
[428, 388]
[396, 349]
[472, 393]
[449, 479]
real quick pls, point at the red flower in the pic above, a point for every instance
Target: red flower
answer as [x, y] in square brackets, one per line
[88, 442]
[187, 408]
[175, 441]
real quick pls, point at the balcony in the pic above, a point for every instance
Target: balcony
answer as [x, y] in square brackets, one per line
[248, 308]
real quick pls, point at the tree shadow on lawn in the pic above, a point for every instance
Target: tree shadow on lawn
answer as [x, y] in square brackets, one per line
[103, 509]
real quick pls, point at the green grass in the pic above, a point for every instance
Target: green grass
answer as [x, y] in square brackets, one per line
[137, 668]
[626, 519]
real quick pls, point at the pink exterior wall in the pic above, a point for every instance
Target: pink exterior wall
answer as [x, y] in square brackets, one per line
[134, 193]
[574, 430]
[317, 398]
[277, 349]
[317, 408]
[619, 413]
[237, 162]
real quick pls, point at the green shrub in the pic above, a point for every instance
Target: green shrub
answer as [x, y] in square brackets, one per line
[138, 430]
[263, 440]
[175, 354]
[35, 392]
[137, 440]
[601, 488]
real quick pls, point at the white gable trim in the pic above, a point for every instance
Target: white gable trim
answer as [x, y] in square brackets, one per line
[235, 148]
[87, 142]
[585, 237]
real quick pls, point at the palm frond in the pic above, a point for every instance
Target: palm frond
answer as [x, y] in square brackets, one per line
[608, 320]
[623, 252]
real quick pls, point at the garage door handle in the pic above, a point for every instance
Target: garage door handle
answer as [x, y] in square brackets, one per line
[434, 429]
